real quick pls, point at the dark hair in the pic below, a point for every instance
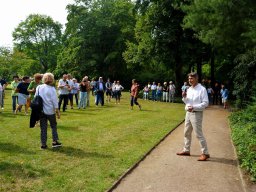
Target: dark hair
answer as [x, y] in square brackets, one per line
[193, 74]
[25, 78]
[15, 76]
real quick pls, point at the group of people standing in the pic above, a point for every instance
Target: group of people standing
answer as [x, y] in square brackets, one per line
[218, 95]
[158, 92]
[69, 88]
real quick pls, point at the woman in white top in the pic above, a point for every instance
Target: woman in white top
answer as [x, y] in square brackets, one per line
[75, 90]
[118, 88]
[50, 109]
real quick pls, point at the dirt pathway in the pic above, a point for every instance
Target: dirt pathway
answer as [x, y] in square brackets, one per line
[164, 171]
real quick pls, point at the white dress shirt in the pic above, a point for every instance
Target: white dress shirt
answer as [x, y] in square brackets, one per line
[63, 90]
[49, 96]
[196, 97]
[153, 87]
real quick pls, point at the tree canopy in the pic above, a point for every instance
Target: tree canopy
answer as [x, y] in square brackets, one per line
[39, 37]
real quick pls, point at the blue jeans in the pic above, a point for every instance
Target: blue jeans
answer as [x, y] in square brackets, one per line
[14, 102]
[154, 95]
[83, 99]
[134, 101]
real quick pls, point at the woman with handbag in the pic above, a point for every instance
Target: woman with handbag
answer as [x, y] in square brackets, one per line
[50, 109]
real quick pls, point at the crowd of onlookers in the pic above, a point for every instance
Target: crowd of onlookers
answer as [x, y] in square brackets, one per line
[70, 90]
[158, 92]
[166, 92]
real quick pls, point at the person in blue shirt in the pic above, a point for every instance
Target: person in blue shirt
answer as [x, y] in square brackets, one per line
[224, 95]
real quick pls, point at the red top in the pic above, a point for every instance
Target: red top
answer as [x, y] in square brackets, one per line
[135, 90]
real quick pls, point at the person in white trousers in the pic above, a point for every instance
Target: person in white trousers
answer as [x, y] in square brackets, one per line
[196, 100]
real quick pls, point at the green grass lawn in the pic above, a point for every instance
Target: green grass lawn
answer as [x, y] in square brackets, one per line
[99, 145]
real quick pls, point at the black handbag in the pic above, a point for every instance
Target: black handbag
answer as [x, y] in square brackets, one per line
[37, 102]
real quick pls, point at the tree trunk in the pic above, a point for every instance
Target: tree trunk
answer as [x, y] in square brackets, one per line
[212, 67]
[199, 69]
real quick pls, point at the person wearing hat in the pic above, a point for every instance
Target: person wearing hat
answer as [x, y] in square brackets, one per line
[165, 92]
[171, 91]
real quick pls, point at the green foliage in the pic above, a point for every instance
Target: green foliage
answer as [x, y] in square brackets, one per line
[162, 45]
[95, 38]
[228, 26]
[221, 23]
[39, 37]
[16, 63]
[243, 126]
[244, 77]
[5, 60]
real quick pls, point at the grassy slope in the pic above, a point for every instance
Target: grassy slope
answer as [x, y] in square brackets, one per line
[99, 145]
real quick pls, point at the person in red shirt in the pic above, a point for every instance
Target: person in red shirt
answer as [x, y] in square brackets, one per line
[134, 94]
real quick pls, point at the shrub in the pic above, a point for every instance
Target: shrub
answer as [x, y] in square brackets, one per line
[243, 125]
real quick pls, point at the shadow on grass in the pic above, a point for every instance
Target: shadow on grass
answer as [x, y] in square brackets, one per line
[16, 170]
[70, 151]
[7, 114]
[13, 149]
[69, 128]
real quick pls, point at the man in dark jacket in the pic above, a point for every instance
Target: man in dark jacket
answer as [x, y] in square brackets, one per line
[100, 90]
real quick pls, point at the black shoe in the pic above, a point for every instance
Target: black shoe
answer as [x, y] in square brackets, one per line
[56, 144]
[44, 147]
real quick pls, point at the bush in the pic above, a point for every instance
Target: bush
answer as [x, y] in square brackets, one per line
[243, 125]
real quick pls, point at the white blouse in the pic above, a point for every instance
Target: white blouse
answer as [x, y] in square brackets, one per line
[49, 96]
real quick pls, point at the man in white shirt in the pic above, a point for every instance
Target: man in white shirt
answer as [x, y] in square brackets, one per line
[153, 91]
[64, 89]
[196, 100]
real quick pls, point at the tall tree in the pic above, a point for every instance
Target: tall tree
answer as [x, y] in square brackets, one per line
[95, 38]
[13, 62]
[225, 25]
[39, 37]
[161, 43]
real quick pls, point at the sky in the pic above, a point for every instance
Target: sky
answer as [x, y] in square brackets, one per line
[12, 12]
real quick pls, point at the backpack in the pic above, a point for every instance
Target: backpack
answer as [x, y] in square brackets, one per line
[37, 103]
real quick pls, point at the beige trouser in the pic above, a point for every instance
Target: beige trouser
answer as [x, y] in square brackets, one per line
[194, 120]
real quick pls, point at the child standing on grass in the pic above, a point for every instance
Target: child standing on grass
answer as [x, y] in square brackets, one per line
[224, 95]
